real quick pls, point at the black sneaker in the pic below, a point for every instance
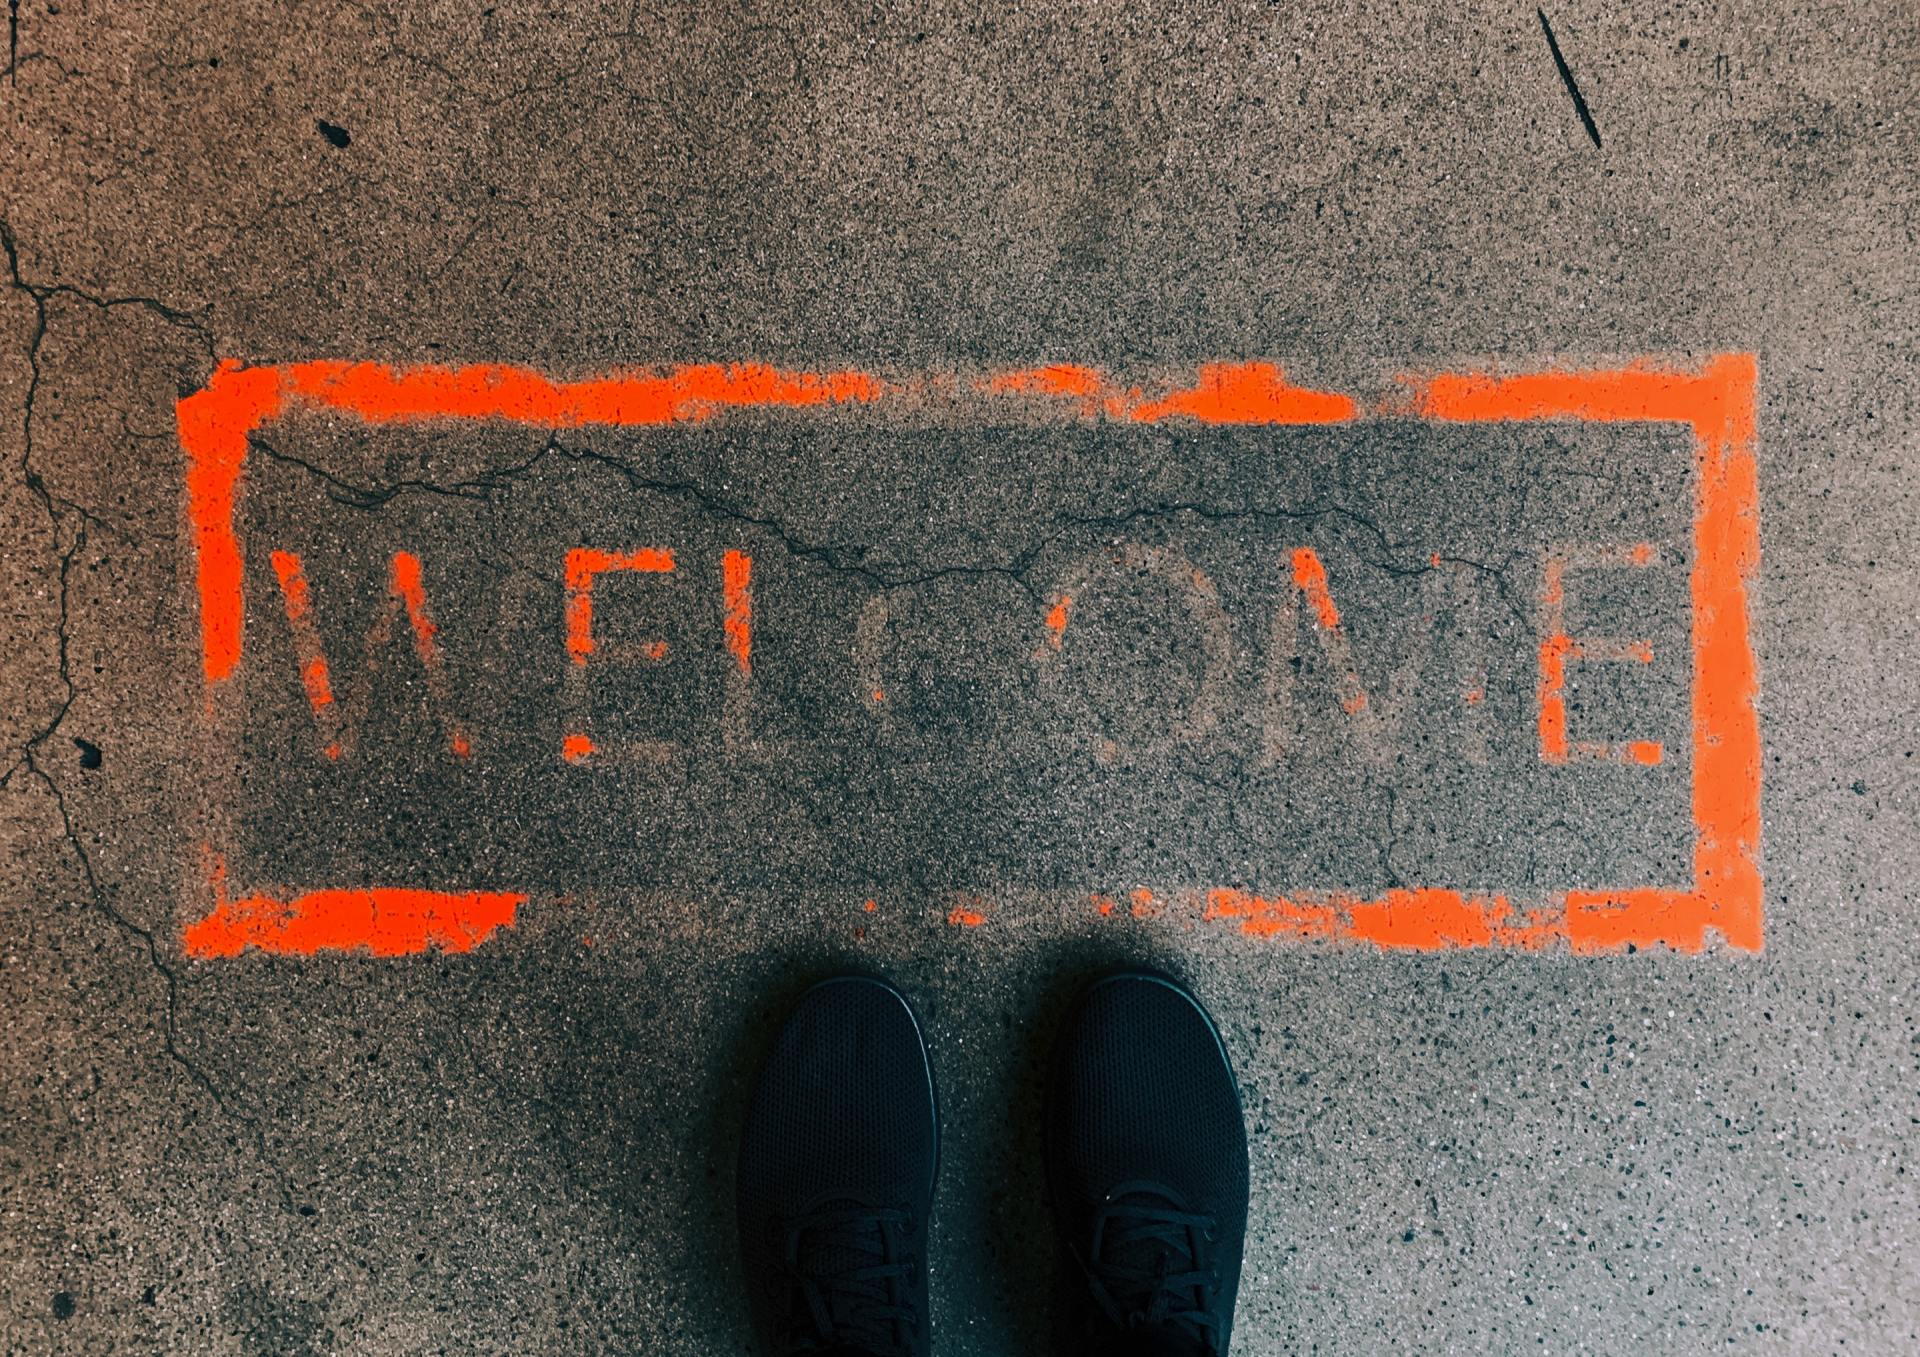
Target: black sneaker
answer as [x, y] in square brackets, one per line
[1147, 1169]
[837, 1162]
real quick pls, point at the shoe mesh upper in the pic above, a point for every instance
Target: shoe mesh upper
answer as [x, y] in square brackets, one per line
[1143, 1103]
[842, 1118]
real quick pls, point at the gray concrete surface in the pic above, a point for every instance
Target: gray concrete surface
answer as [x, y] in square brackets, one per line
[526, 1147]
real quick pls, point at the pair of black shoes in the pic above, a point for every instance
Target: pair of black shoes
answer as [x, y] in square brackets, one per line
[1146, 1161]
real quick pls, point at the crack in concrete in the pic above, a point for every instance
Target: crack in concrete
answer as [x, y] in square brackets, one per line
[1391, 840]
[57, 509]
[387, 25]
[52, 504]
[833, 558]
[98, 897]
[1312, 513]
[836, 558]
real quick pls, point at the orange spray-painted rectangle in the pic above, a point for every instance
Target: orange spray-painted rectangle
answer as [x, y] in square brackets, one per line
[1715, 401]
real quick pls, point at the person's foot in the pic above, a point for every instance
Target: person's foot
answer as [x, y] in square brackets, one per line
[1147, 1170]
[837, 1162]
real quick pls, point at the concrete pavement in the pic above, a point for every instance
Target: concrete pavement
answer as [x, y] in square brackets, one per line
[975, 497]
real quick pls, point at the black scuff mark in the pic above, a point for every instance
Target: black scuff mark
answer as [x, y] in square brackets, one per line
[1566, 78]
[341, 138]
[90, 756]
[13, 40]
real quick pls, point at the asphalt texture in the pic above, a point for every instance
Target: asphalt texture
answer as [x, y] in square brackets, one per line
[526, 1146]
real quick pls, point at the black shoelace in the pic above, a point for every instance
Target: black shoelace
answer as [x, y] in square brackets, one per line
[850, 1267]
[1149, 1263]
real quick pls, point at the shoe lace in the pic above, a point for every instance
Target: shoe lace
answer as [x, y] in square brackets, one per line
[1149, 1263]
[849, 1268]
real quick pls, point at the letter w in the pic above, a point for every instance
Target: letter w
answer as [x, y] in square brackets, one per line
[407, 596]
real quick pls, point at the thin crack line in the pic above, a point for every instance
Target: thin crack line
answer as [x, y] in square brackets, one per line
[57, 508]
[836, 558]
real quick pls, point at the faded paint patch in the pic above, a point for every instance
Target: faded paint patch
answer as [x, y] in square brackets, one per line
[1310, 583]
[1223, 393]
[1557, 649]
[1057, 620]
[339, 730]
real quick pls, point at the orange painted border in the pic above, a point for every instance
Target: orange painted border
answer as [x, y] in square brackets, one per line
[1715, 401]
